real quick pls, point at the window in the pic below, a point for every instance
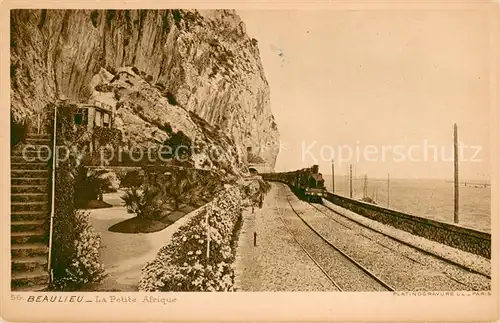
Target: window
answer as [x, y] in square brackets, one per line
[81, 116]
[106, 120]
[98, 119]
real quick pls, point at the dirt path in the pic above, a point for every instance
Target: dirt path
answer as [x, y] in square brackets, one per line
[125, 254]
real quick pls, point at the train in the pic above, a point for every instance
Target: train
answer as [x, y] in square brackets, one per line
[307, 183]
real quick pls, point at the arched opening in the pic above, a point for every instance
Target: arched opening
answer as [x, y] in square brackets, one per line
[253, 171]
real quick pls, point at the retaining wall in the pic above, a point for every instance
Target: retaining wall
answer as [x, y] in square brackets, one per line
[453, 235]
[473, 241]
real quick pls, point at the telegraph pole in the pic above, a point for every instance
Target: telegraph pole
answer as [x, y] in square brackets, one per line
[388, 189]
[457, 183]
[333, 177]
[365, 186]
[350, 181]
[346, 182]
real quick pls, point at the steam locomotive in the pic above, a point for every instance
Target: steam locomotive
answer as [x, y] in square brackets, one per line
[308, 183]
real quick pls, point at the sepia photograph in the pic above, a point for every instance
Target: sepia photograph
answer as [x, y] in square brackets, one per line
[250, 150]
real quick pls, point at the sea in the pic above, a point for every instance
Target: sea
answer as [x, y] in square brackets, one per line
[429, 198]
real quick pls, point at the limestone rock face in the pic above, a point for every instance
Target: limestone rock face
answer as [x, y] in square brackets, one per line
[147, 119]
[201, 62]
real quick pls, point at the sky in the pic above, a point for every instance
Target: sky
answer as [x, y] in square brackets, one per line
[385, 85]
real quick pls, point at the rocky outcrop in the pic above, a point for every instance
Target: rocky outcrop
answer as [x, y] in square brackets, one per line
[201, 62]
[147, 118]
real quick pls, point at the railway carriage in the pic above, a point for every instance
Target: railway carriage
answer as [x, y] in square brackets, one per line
[307, 183]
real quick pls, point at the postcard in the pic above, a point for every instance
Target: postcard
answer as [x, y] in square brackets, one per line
[250, 161]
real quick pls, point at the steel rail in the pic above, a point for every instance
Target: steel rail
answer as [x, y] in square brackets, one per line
[406, 243]
[364, 269]
[307, 252]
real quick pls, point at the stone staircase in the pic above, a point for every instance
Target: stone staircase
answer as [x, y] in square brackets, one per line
[30, 213]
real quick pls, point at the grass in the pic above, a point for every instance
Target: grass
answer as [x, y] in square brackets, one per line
[95, 204]
[137, 225]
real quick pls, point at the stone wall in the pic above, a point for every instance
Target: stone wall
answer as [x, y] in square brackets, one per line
[453, 235]
[456, 236]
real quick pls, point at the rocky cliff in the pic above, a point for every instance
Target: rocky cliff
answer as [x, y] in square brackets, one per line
[180, 65]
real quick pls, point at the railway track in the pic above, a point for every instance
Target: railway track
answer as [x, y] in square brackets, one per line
[348, 266]
[426, 252]
[305, 250]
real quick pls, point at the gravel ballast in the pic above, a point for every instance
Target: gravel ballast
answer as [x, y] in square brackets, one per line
[467, 259]
[277, 263]
[280, 263]
[401, 272]
[472, 280]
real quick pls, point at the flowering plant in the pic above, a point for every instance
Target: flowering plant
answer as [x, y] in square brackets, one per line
[200, 254]
[85, 266]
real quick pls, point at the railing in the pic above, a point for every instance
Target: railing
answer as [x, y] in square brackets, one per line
[52, 203]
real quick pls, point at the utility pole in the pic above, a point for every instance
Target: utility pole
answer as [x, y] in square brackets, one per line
[365, 187]
[333, 177]
[346, 182]
[388, 189]
[457, 183]
[350, 181]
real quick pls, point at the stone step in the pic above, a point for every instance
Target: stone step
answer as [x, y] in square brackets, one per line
[29, 206]
[29, 181]
[29, 166]
[46, 141]
[40, 153]
[28, 159]
[29, 197]
[29, 264]
[38, 135]
[34, 288]
[28, 250]
[21, 189]
[36, 173]
[27, 225]
[24, 279]
[29, 215]
[33, 236]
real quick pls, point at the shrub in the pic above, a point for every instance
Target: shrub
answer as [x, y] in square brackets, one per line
[85, 266]
[76, 245]
[182, 265]
[17, 131]
[111, 182]
[177, 185]
[90, 184]
[143, 202]
[179, 146]
[133, 178]
[75, 260]
[171, 98]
